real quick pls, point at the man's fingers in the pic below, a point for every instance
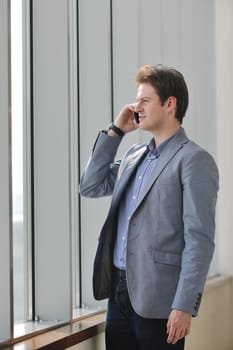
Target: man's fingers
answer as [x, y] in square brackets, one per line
[178, 326]
[175, 334]
[172, 336]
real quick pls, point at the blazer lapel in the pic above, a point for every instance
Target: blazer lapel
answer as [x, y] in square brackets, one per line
[125, 176]
[167, 155]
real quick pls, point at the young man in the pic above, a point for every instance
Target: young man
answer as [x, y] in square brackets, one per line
[157, 242]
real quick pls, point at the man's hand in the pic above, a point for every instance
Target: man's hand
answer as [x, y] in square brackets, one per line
[178, 325]
[125, 119]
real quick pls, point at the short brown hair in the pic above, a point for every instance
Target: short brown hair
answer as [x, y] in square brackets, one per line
[166, 82]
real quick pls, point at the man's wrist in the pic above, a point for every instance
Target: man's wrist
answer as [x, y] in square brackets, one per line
[116, 130]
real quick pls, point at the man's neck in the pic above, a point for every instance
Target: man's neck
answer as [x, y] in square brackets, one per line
[165, 134]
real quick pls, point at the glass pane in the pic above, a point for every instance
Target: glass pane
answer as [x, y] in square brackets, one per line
[19, 234]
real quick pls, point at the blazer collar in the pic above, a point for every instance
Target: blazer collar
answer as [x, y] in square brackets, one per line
[171, 149]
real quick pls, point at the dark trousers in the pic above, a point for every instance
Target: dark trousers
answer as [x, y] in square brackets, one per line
[125, 330]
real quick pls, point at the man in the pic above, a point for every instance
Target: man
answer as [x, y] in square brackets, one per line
[157, 242]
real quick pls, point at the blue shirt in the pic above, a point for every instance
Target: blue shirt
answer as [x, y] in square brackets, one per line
[129, 200]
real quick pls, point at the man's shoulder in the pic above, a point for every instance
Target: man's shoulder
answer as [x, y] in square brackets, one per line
[192, 146]
[194, 153]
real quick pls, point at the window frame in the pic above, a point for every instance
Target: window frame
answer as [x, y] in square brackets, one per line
[6, 258]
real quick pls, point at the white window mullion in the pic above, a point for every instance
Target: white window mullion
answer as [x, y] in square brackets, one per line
[6, 297]
[51, 161]
[95, 114]
[74, 152]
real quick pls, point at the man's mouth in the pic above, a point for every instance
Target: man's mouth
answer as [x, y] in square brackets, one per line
[141, 118]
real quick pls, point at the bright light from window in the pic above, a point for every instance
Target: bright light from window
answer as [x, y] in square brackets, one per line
[19, 251]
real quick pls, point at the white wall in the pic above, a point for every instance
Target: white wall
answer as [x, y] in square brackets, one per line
[224, 93]
[177, 33]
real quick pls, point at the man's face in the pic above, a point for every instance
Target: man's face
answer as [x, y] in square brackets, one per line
[152, 115]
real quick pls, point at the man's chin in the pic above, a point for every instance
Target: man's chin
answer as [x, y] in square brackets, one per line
[142, 127]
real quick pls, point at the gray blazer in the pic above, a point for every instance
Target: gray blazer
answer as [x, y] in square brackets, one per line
[171, 232]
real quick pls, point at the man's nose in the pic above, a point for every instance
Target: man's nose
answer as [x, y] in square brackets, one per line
[137, 107]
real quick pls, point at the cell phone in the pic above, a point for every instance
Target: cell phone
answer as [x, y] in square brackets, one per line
[136, 117]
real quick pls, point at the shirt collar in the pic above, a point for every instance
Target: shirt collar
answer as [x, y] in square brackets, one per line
[156, 151]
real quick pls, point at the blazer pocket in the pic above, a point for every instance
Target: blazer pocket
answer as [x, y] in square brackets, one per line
[166, 258]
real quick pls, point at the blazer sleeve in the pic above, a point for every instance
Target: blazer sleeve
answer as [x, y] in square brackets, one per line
[200, 187]
[99, 176]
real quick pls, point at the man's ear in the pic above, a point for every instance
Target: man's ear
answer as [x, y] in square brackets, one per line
[171, 103]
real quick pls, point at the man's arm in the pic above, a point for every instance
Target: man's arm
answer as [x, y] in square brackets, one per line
[99, 176]
[200, 187]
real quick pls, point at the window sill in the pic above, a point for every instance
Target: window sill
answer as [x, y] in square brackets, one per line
[217, 281]
[64, 336]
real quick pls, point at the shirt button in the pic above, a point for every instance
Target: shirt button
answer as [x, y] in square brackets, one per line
[140, 177]
[123, 238]
[129, 217]
[134, 197]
